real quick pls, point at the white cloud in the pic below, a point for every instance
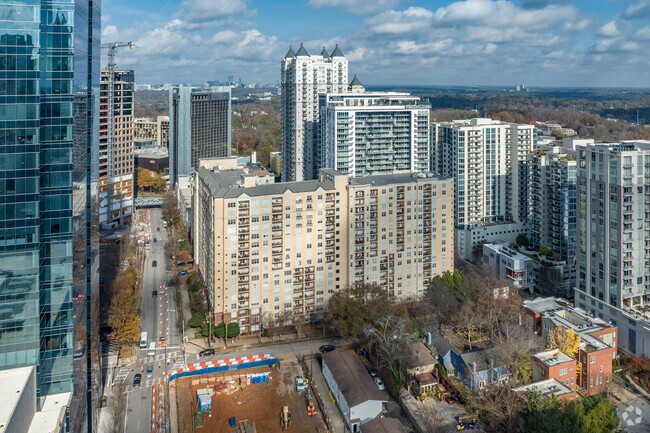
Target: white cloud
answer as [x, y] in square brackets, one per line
[490, 48]
[637, 10]
[203, 12]
[355, 7]
[577, 25]
[411, 20]
[609, 30]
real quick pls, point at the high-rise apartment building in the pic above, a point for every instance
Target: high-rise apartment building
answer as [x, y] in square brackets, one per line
[116, 166]
[199, 127]
[149, 129]
[304, 77]
[373, 133]
[487, 159]
[48, 195]
[282, 249]
[613, 185]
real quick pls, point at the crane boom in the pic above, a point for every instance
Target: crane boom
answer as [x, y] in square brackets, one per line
[110, 138]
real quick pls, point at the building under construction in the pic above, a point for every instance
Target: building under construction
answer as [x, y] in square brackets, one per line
[116, 164]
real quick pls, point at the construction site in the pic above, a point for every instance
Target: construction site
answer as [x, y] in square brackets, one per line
[262, 399]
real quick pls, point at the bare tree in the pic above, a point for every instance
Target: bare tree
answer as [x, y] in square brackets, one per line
[514, 350]
[499, 407]
[389, 335]
[469, 319]
[267, 323]
[116, 409]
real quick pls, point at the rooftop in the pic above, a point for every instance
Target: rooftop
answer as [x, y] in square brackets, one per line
[52, 415]
[417, 355]
[351, 376]
[383, 425]
[548, 388]
[152, 152]
[13, 383]
[503, 249]
[554, 357]
[392, 179]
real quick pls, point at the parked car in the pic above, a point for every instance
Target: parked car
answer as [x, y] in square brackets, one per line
[137, 379]
[372, 372]
[158, 229]
[451, 398]
[155, 240]
[154, 263]
[326, 348]
[182, 273]
[149, 370]
[154, 293]
[206, 352]
[379, 383]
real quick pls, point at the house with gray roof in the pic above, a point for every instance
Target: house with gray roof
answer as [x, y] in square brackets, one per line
[354, 390]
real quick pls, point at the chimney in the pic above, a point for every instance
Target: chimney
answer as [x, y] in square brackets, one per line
[254, 158]
[429, 339]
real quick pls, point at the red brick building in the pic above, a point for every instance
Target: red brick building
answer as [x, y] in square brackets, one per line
[598, 339]
[555, 364]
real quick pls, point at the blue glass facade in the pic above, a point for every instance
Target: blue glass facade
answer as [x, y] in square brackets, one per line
[49, 86]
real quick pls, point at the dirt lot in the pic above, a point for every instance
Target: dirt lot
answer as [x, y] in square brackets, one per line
[260, 403]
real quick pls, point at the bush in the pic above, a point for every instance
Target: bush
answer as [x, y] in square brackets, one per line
[198, 318]
[522, 240]
[442, 371]
[184, 245]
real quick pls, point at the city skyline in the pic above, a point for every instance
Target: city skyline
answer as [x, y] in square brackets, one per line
[540, 43]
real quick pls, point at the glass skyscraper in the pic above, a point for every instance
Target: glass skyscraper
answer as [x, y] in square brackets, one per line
[49, 84]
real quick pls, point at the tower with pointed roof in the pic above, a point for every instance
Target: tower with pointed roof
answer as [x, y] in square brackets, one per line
[304, 77]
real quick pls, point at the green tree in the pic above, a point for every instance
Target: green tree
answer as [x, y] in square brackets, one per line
[355, 307]
[540, 413]
[522, 240]
[545, 251]
[600, 416]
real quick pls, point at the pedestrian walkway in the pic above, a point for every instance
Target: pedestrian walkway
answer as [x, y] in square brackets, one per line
[335, 418]
[121, 375]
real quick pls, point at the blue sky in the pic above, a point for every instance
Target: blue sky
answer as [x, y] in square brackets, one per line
[491, 42]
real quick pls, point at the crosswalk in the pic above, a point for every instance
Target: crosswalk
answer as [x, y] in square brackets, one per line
[159, 357]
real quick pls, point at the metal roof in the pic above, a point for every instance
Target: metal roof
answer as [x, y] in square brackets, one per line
[352, 378]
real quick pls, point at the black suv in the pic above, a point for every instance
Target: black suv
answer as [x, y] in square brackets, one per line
[154, 263]
[154, 293]
[206, 352]
[137, 379]
[326, 348]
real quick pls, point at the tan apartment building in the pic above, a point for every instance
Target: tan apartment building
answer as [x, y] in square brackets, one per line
[279, 250]
[156, 130]
[116, 188]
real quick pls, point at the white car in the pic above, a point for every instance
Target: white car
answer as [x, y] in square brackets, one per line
[379, 383]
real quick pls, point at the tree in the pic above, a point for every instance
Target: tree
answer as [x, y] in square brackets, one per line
[499, 409]
[123, 314]
[468, 320]
[389, 336]
[116, 409]
[568, 342]
[600, 416]
[540, 413]
[504, 116]
[353, 308]
[522, 240]
[267, 323]
[184, 255]
[170, 209]
[515, 349]
[151, 180]
[545, 251]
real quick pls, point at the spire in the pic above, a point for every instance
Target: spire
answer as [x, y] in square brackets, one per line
[355, 81]
[290, 53]
[302, 51]
[324, 53]
[337, 52]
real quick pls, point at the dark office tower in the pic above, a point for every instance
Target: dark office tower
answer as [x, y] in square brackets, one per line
[199, 127]
[49, 84]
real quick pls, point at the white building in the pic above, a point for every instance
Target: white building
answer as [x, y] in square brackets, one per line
[355, 393]
[509, 265]
[304, 77]
[487, 159]
[373, 133]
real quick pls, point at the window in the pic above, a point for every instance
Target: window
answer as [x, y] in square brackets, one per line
[593, 359]
[563, 371]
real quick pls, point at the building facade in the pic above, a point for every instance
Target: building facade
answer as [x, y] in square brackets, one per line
[48, 190]
[304, 77]
[199, 127]
[281, 250]
[116, 166]
[275, 162]
[509, 265]
[487, 159]
[150, 129]
[373, 133]
[598, 340]
[614, 238]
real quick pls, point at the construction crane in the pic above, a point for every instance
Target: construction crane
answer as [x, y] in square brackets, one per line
[112, 46]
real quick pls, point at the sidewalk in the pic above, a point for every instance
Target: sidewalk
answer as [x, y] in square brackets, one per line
[335, 418]
[195, 344]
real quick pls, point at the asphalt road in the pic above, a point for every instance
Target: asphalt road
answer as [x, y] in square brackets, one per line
[158, 318]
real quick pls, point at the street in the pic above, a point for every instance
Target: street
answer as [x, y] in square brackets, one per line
[158, 318]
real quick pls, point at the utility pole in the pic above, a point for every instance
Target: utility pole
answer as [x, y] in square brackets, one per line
[112, 46]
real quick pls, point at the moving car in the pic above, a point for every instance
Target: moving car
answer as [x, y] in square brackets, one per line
[182, 273]
[154, 293]
[326, 348]
[158, 229]
[379, 383]
[206, 352]
[155, 240]
[137, 379]
[154, 263]
[149, 370]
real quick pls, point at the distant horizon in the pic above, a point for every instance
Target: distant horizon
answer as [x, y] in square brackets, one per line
[541, 43]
